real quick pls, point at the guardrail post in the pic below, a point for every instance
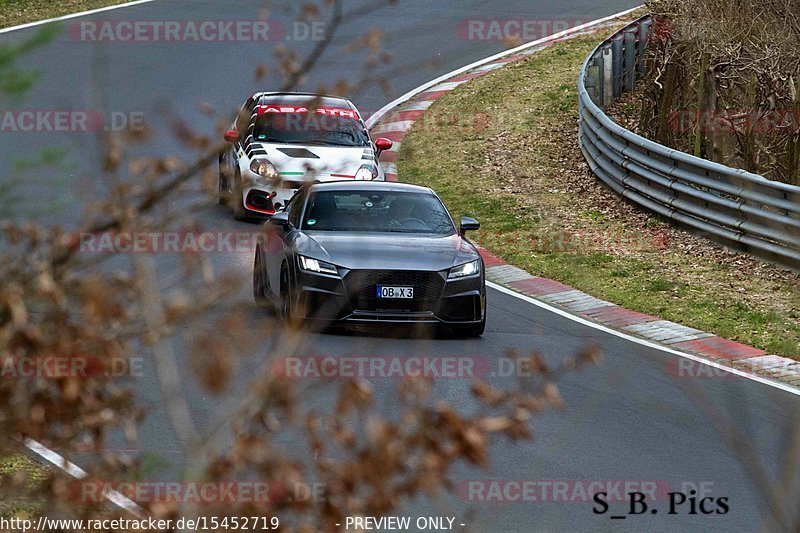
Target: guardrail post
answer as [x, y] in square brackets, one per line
[616, 65]
[644, 40]
[629, 61]
[608, 77]
[600, 79]
[740, 209]
[593, 79]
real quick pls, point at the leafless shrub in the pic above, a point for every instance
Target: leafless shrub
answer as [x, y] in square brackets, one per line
[57, 301]
[724, 83]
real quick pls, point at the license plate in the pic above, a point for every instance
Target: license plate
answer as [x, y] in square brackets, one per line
[405, 293]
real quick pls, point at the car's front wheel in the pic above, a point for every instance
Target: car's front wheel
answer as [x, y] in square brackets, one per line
[239, 212]
[224, 182]
[288, 311]
[260, 283]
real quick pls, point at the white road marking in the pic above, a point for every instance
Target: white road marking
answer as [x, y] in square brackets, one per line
[644, 342]
[74, 15]
[78, 473]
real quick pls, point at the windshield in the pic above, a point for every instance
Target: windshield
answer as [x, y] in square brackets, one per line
[374, 211]
[309, 128]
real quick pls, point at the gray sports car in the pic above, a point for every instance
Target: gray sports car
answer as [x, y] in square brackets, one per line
[371, 252]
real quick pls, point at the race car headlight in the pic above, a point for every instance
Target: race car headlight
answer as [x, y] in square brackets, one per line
[367, 173]
[266, 171]
[317, 266]
[467, 269]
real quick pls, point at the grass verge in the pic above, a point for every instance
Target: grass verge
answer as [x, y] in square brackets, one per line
[503, 148]
[20, 476]
[15, 12]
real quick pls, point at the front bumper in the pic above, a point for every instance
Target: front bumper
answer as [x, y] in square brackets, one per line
[349, 298]
[265, 201]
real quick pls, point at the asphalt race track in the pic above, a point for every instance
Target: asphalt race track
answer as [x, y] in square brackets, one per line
[628, 419]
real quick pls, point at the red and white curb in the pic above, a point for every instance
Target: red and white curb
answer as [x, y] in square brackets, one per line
[723, 352]
[396, 119]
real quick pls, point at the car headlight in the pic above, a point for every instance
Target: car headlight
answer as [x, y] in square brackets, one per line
[317, 266]
[467, 269]
[367, 173]
[266, 171]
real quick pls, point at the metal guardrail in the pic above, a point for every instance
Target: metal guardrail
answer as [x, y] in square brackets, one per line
[737, 208]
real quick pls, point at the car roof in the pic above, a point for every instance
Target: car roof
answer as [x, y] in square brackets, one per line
[384, 186]
[302, 98]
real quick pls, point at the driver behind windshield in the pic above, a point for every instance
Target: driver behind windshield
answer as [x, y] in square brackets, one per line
[401, 209]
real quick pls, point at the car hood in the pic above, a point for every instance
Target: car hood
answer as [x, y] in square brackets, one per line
[388, 251]
[320, 160]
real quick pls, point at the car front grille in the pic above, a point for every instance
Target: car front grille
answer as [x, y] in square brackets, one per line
[361, 288]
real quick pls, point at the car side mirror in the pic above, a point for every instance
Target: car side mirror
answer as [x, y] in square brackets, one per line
[468, 224]
[231, 136]
[383, 144]
[281, 219]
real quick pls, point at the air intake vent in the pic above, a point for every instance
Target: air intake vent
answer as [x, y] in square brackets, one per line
[300, 153]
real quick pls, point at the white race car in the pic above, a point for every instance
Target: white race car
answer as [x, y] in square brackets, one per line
[281, 141]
